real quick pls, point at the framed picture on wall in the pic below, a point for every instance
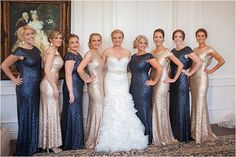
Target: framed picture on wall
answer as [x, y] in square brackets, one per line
[43, 16]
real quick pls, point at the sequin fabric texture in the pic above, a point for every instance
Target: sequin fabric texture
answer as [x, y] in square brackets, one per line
[179, 98]
[72, 116]
[28, 100]
[142, 94]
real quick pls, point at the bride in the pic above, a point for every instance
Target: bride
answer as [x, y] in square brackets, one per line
[121, 129]
[41, 39]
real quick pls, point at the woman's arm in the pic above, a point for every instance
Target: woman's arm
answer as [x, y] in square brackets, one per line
[104, 60]
[219, 59]
[156, 65]
[104, 57]
[180, 68]
[81, 69]
[47, 70]
[5, 67]
[197, 64]
[69, 64]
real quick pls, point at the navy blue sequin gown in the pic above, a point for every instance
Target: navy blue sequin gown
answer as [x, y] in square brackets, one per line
[142, 94]
[28, 97]
[179, 98]
[72, 117]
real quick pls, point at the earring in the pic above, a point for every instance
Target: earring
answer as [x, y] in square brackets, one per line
[22, 42]
[68, 49]
[51, 44]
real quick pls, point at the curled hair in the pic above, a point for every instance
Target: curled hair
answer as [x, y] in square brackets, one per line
[33, 12]
[68, 37]
[160, 31]
[201, 30]
[91, 36]
[138, 38]
[53, 33]
[19, 33]
[117, 31]
[176, 31]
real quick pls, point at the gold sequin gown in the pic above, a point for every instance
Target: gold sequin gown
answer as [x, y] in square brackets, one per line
[96, 96]
[162, 132]
[49, 113]
[200, 127]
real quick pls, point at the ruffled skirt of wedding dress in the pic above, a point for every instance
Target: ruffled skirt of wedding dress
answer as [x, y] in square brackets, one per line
[121, 129]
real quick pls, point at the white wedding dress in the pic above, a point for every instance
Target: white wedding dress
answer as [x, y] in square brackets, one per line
[121, 129]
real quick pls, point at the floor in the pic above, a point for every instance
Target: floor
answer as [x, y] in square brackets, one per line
[219, 131]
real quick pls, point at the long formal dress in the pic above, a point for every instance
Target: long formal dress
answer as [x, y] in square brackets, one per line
[162, 131]
[121, 129]
[28, 100]
[179, 98]
[96, 97]
[72, 114]
[49, 113]
[201, 129]
[142, 94]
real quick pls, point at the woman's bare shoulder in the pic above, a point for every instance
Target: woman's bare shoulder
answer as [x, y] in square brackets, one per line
[126, 51]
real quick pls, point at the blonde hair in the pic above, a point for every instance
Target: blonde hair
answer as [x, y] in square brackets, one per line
[117, 31]
[53, 33]
[91, 36]
[20, 33]
[138, 38]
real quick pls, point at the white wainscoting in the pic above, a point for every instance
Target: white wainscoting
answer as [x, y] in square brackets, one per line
[221, 102]
[9, 107]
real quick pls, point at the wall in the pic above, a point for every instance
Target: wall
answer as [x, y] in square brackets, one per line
[141, 17]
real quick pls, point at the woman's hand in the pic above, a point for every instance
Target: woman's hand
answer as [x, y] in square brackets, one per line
[72, 98]
[207, 71]
[91, 79]
[169, 80]
[186, 72]
[18, 81]
[150, 82]
[55, 93]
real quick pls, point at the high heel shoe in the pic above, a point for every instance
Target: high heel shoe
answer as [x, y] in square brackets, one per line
[56, 150]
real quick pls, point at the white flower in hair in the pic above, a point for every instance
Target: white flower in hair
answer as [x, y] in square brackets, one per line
[33, 12]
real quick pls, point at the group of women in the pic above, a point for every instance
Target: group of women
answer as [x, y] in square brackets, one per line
[154, 109]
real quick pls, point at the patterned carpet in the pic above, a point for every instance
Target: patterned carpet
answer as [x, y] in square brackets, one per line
[224, 146]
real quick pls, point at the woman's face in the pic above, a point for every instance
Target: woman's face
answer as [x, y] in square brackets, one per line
[57, 40]
[141, 45]
[178, 39]
[201, 37]
[95, 42]
[117, 39]
[74, 44]
[28, 36]
[34, 16]
[158, 38]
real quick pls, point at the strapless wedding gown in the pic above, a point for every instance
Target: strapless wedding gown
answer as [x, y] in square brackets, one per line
[121, 129]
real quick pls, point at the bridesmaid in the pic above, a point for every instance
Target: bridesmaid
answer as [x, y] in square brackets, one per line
[141, 84]
[27, 59]
[93, 62]
[162, 132]
[201, 129]
[179, 90]
[49, 118]
[72, 116]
